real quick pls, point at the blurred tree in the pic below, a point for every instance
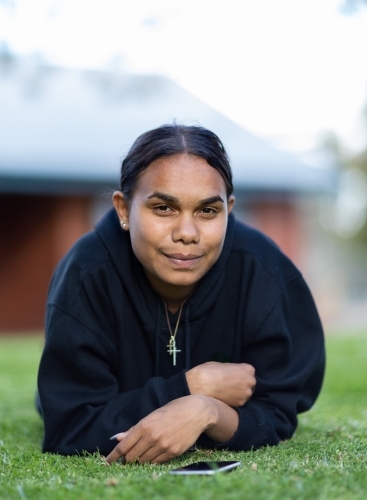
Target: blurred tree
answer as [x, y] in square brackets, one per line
[345, 218]
[346, 214]
[351, 203]
[358, 162]
[5, 52]
[351, 6]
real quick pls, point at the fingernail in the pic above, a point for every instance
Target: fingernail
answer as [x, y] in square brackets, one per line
[119, 434]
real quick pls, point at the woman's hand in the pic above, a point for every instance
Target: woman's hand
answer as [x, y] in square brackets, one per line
[231, 383]
[167, 432]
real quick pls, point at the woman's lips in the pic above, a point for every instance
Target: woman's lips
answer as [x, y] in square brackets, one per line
[183, 261]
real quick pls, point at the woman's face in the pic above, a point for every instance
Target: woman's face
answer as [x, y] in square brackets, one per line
[177, 218]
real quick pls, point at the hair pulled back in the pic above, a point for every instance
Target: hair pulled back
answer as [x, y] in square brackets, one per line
[169, 140]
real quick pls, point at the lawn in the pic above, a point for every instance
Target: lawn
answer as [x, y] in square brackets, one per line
[326, 459]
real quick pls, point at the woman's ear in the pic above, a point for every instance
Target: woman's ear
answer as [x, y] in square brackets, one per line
[122, 208]
[231, 201]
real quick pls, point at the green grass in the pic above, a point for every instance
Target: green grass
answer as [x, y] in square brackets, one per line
[326, 459]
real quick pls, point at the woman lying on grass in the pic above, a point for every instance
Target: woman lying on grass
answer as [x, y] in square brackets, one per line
[158, 320]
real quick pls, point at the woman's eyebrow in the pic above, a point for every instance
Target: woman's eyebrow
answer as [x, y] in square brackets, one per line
[173, 199]
[211, 199]
[164, 197]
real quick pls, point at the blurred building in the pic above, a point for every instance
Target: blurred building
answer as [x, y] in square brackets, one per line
[62, 136]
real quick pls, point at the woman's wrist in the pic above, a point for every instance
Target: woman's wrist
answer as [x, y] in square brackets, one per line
[209, 410]
[193, 383]
[224, 422]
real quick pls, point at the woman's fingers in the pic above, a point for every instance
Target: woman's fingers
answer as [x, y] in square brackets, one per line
[141, 452]
[152, 455]
[126, 441]
[165, 433]
[231, 383]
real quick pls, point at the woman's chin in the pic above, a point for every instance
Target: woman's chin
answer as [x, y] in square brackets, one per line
[183, 278]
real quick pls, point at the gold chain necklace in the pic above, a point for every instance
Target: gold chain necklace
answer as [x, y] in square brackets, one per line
[172, 340]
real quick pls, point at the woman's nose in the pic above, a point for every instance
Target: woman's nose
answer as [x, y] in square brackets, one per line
[186, 230]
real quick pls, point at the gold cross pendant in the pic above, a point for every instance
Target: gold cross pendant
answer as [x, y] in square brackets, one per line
[172, 349]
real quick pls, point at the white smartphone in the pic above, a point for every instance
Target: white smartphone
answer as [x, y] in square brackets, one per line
[206, 468]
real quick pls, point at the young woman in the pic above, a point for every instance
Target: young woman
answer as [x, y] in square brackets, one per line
[159, 320]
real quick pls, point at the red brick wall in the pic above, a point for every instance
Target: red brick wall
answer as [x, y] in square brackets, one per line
[35, 231]
[283, 220]
[284, 224]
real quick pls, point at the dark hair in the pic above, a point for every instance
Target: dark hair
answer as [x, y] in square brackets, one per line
[169, 140]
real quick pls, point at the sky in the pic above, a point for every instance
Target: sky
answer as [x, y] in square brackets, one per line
[286, 70]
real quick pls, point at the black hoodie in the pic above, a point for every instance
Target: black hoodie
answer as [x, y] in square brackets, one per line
[105, 364]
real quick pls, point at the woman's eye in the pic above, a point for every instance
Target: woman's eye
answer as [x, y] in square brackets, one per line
[208, 211]
[163, 208]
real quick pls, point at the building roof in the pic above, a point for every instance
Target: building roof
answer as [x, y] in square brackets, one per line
[64, 130]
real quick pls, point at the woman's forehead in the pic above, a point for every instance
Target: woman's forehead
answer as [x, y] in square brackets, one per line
[181, 174]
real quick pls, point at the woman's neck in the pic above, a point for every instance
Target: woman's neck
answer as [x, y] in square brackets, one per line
[173, 305]
[173, 296]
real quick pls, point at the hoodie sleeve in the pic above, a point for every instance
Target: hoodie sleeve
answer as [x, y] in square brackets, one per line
[288, 354]
[81, 401]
